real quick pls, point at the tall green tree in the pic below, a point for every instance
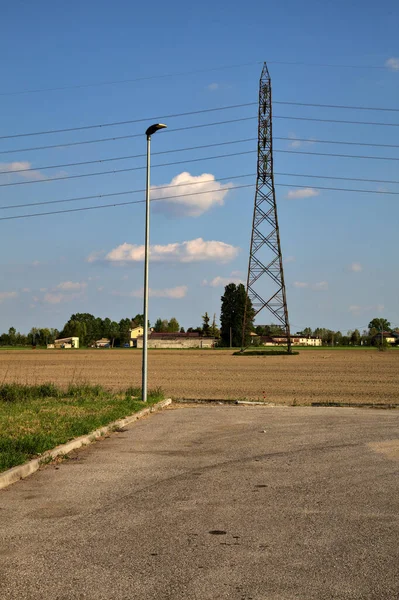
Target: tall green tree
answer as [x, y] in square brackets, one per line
[124, 330]
[12, 336]
[232, 315]
[205, 325]
[138, 321]
[214, 331]
[379, 324]
[173, 326]
[113, 332]
[355, 338]
[161, 325]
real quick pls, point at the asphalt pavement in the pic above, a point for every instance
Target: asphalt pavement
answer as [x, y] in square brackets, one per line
[213, 502]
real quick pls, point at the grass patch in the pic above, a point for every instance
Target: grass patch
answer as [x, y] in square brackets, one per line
[264, 353]
[36, 418]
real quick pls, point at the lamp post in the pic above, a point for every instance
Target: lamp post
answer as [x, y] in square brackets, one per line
[150, 131]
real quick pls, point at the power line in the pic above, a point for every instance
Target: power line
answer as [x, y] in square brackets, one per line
[319, 187]
[118, 204]
[108, 195]
[338, 178]
[186, 73]
[188, 127]
[127, 169]
[336, 121]
[124, 193]
[336, 155]
[114, 158]
[128, 122]
[326, 65]
[344, 142]
[339, 106]
[190, 113]
[131, 156]
[135, 80]
[180, 162]
[158, 187]
[124, 137]
[227, 188]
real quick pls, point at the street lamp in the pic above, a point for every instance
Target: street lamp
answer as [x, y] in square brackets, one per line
[152, 129]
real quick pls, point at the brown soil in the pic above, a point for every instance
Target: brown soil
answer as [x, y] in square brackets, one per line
[349, 376]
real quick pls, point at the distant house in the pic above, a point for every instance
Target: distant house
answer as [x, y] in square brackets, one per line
[70, 342]
[134, 333]
[103, 343]
[176, 340]
[390, 337]
[296, 340]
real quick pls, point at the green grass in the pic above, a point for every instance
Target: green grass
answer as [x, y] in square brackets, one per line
[36, 418]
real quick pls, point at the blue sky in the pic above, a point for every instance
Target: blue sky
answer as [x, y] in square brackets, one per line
[340, 248]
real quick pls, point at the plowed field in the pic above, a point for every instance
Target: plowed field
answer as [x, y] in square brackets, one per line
[353, 376]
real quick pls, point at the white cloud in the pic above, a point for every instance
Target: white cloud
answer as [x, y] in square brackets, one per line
[357, 309]
[26, 290]
[43, 290]
[356, 267]
[213, 86]
[51, 298]
[7, 295]
[319, 286]
[392, 63]
[95, 256]
[300, 284]
[71, 286]
[18, 168]
[177, 292]
[303, 193]
[289, 259]
[194, 195]
[221, 281]
[35, 263]
[58, 297]
[182, 252]
[296, 143]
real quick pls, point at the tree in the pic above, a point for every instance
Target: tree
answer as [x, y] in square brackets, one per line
[12, 338]
[355, 338]
[84, 326]
[161, 326]
[138, 321]
[379, 324]
[214, 331]
[307, 331]
[124, 330]
[45, 335]
[338, 338]
[205, 325]
[113, 332]
[182, 330]
[232, 315]
[173, 326]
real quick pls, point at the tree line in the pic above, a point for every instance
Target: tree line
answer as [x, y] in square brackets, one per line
[234, 302]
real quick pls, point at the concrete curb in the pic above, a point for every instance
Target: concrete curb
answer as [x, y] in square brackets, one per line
[220, 401]
[22, 471]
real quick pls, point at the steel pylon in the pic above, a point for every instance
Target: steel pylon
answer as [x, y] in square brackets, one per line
[265, 257]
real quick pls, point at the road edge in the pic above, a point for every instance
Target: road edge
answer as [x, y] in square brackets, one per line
[22, 471]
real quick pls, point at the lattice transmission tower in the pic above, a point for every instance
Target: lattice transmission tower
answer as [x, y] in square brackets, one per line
[265, 282]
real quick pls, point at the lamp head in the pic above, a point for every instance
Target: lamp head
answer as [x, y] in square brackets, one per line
[154, 128]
